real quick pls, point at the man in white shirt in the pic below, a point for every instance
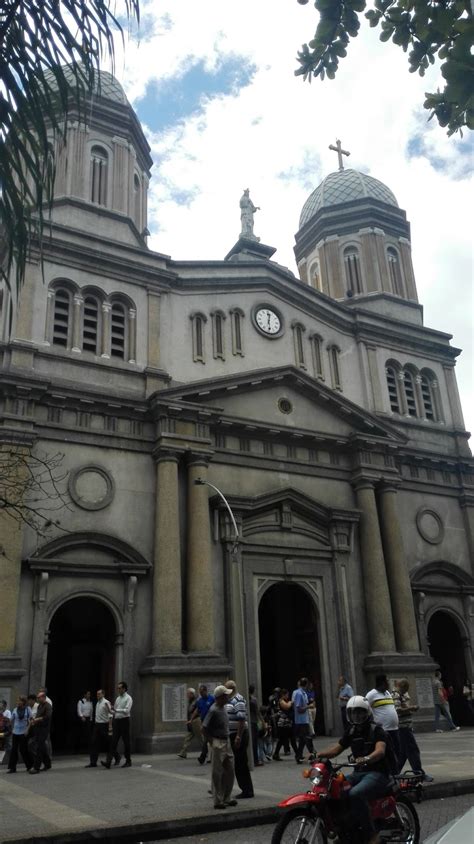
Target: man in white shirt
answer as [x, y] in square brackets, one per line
[102, 730]
[121, 726]
[85, 712]
[384, 711]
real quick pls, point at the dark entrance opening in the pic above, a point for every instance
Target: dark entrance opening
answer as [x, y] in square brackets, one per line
[289, 642]
[446, 648]
[81, 657]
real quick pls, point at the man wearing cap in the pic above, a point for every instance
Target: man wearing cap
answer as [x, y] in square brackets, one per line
[215, 729]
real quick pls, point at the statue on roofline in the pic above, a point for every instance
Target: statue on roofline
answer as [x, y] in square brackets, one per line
[247, 211]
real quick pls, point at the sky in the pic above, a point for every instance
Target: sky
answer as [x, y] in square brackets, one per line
[212, 82]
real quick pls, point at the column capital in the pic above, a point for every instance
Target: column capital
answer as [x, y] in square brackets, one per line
[198, 460]
[363, 482]
[389, 485]
[165, 455]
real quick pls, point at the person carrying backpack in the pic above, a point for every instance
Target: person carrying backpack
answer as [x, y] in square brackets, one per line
[372, 775]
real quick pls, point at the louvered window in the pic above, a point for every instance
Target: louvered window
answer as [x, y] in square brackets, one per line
[99, 175]
[410, 394]
[334, 366]
[117, 331]
[199, 340]
[61, 318]
[393, 390]
[352, 267]
[90, 325]
[317, 356]
[427, 397]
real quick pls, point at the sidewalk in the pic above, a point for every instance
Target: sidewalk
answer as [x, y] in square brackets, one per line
[163, 796]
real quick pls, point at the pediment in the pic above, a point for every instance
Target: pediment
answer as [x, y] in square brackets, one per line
[88, 553]
[256, 396]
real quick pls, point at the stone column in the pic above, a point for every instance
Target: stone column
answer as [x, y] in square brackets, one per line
[132, 335]
[76, 323]
[167, 591]
[106, 309]
[397, 573]
[377, 596]
[401, 393]
[419, 397]
[48, 334]
[200, 609]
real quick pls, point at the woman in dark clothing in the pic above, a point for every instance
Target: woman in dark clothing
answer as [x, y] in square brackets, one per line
[284, 724]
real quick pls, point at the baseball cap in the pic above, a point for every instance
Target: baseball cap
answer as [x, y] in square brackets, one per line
[221, 690]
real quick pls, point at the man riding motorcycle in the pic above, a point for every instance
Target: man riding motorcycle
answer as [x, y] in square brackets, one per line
[371, 777]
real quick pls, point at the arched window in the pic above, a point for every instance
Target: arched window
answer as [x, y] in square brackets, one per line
[392, 386]
[334, 353]
[298, 333]
[218, 349]
[352, 269]
[198, 322]
[62, 318]
[410, 396]
[315, 276]
[99, 175]
[90, 325]
[236, 316]
[395, 271]
[317, 350]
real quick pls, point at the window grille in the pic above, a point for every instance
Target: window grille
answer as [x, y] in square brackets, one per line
[62, 318]
[393, 390]
[117, 331]
[90, 323]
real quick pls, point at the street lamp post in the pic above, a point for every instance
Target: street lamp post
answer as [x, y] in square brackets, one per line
[237, 604]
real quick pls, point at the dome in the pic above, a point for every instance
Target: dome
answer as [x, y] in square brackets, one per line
[105, 84]
[345, 186]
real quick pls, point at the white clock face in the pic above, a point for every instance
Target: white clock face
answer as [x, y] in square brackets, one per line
[268, 321]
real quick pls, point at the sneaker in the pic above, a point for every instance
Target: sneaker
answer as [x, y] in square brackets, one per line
[220, 805]
[105, 764]
[126, 765]
[232, 802]
[439, 731]
[455, 729]
[181, 756]
[428, 778]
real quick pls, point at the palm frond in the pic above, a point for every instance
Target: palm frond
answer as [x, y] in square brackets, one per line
[50, 52]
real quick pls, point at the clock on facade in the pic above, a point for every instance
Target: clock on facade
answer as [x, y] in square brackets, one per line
[268, 321]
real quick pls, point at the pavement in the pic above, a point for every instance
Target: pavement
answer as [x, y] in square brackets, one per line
[164, 797]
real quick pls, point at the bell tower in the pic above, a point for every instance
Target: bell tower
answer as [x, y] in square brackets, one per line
[353, 239]
[103, 169]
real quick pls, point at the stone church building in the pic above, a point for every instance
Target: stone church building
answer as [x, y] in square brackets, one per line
[320, 406]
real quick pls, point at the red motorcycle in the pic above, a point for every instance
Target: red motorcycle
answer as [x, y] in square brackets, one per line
[322, 814]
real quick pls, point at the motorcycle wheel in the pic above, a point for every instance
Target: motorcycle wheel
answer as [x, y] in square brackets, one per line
[408, 816]
[301, 826]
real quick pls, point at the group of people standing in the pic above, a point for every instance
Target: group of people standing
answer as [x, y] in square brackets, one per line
[26, 729]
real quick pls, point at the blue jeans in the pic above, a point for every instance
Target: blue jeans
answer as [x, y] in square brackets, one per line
[409, 750]
[443, 709]
[366, 786]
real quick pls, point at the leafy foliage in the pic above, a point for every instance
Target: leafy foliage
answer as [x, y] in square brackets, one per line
[47, 48]
[432, 30]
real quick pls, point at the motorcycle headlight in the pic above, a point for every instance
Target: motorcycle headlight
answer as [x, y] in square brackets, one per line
[316, 776]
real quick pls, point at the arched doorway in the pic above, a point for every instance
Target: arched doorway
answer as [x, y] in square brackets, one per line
[289, 641]
[81, 656]
[446, 648]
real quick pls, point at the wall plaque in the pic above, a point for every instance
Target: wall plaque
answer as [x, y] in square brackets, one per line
[424, 693]
[173, 702]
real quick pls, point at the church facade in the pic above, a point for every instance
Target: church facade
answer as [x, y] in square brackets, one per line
[316, 411]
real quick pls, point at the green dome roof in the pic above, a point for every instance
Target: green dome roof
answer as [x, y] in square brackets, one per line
[345, 186]
[105, 85]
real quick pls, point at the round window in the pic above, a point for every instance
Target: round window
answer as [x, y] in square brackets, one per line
[285, 405]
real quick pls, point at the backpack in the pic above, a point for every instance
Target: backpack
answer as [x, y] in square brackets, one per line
[391, 761]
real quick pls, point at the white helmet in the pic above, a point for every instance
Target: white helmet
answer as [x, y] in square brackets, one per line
[358, 710]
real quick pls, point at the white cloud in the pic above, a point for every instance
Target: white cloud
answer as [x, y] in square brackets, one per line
[280, 125]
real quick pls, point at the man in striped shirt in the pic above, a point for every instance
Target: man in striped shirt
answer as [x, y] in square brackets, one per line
[239, 738]
[384, 711]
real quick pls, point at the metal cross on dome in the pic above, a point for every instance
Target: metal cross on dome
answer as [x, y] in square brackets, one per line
[340, 152]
